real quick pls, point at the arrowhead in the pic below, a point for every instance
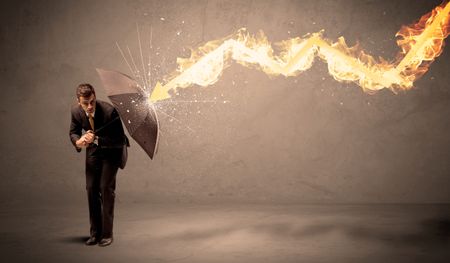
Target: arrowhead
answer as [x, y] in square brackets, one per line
[159, 93]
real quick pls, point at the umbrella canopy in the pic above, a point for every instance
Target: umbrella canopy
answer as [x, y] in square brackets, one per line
[138, 116]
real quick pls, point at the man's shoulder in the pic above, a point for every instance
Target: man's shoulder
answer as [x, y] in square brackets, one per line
[75, 109]
[106, 107]
[104, 104]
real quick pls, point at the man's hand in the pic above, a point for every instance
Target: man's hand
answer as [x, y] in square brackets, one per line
[86, 139]
[89, 136]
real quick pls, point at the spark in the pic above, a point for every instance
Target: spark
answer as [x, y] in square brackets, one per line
[124, 58]
[142, 57]
[176, 119]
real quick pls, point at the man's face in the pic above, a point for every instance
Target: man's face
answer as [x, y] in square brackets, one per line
[87, 103]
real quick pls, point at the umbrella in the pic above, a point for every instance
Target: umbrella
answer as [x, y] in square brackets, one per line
[138, 116]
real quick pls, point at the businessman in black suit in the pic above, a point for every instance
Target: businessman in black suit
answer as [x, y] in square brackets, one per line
[104, 140]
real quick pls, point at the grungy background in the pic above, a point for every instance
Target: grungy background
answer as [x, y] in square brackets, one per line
[305, 139]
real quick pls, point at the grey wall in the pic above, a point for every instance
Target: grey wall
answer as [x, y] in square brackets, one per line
[301, 139]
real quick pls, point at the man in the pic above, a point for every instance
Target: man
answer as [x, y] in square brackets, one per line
[104, 140]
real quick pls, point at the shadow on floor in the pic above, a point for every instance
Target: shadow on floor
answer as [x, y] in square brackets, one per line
[429, 233]
[74, 240]
[433, 232]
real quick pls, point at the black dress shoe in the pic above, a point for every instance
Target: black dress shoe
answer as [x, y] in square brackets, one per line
[105, 242]
[91, 241]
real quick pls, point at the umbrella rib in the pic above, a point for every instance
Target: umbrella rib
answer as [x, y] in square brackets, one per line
[137, 127]
[126, 61]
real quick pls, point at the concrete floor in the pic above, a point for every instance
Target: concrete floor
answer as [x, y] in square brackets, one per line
[146, 232]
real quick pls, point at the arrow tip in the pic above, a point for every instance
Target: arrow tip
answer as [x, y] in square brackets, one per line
[159, 93]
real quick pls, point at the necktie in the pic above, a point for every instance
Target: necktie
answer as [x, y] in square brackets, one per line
[91, 121]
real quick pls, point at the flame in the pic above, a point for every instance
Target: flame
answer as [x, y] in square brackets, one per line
[420, 44]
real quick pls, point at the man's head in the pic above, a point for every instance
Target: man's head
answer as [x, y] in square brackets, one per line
[86, 97]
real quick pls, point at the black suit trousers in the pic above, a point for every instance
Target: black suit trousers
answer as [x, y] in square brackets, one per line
[101, 171]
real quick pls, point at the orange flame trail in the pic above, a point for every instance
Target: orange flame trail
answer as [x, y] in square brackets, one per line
[421, 43]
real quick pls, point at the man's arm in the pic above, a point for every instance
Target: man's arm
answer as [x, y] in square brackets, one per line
[76, 138]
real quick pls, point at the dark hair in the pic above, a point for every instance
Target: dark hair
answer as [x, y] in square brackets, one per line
[85, 90]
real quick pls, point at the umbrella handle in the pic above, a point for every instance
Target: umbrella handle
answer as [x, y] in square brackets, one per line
[107, 124]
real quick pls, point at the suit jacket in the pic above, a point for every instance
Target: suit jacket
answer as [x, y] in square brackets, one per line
[111, 138]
